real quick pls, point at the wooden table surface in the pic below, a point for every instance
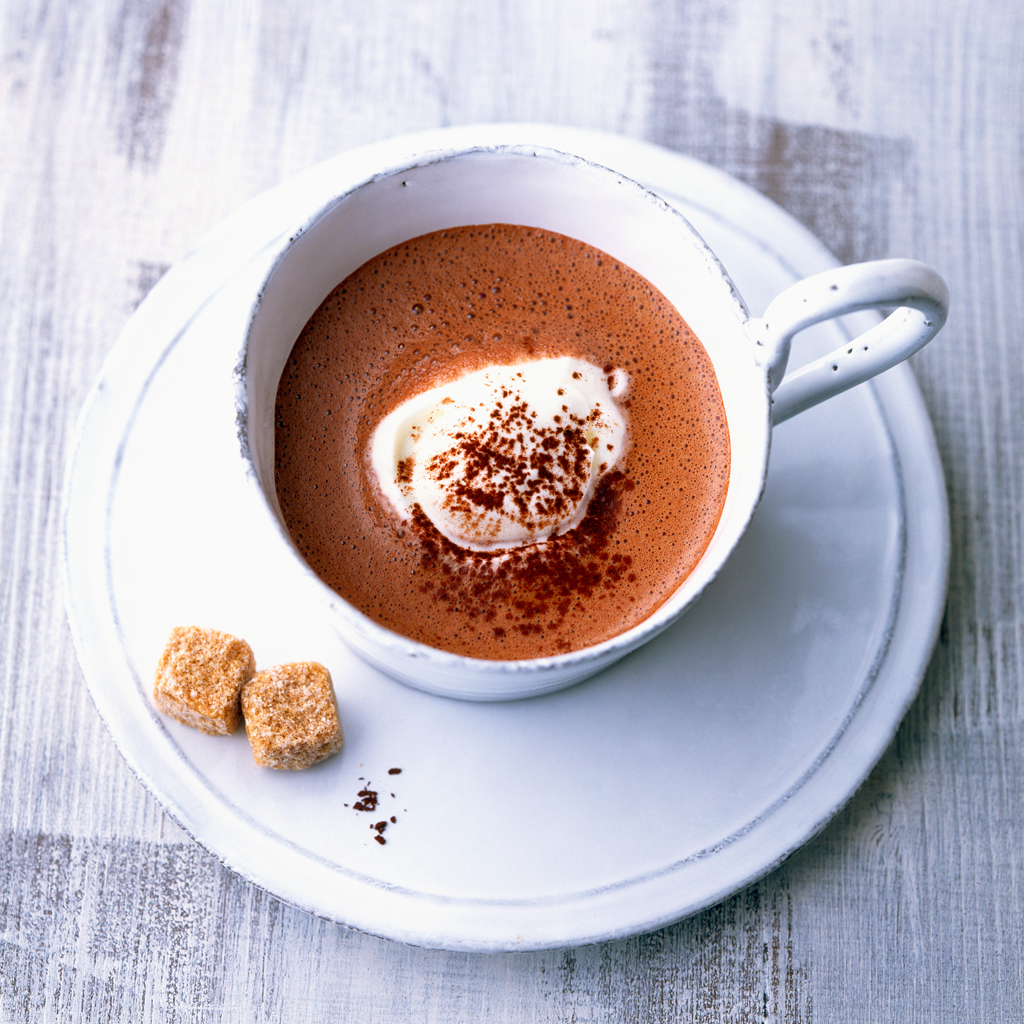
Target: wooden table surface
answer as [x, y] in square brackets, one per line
[128, 128]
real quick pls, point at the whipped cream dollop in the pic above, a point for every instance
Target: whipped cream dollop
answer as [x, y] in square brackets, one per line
[506, 455]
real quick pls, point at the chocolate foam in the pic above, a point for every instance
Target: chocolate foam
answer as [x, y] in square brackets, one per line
[443, 305]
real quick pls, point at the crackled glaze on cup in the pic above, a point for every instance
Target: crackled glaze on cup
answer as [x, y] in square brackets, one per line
[571, 196]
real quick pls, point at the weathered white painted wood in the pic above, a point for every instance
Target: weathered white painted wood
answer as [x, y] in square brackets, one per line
[128, 129]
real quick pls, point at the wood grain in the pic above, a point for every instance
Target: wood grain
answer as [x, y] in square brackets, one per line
[128, 128]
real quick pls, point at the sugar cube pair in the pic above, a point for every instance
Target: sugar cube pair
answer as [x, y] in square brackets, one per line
[208, 680]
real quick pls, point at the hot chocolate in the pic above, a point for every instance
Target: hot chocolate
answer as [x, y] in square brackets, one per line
[624, 517]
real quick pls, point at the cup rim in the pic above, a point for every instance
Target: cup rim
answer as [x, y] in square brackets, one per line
[573, 665]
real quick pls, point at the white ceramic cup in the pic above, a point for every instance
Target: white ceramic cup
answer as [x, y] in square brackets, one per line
[572, 196]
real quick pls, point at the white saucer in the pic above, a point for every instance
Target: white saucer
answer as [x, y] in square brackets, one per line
[634, 799]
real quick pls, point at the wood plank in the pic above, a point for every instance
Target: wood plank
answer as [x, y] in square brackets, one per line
[130, 127]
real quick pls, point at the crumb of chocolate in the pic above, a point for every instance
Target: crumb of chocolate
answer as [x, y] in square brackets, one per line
[367, 800]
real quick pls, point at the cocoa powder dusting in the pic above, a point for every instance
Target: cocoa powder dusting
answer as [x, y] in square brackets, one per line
[543, 471]
[452, 302]
[530, 590]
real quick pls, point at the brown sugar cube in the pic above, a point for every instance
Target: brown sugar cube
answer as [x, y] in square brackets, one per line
[291, 715]
[200, 677]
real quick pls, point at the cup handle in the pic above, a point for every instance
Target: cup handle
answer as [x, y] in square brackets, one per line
[918, 291]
